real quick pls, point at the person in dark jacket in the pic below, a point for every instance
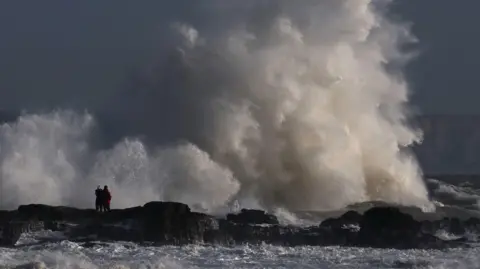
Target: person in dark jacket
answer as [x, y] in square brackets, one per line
[98, 199]
[107, 197]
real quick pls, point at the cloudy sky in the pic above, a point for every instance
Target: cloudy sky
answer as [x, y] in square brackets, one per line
[47, 47]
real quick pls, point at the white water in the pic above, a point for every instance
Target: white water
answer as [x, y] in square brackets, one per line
[47, 249]
[65, 254]
[275, 104]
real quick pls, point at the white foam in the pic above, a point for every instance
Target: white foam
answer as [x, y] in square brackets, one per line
[282, 104]
[262, 256]
[57, 259]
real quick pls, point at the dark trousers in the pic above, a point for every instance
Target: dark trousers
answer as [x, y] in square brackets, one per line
[98, 205]
[106, 206]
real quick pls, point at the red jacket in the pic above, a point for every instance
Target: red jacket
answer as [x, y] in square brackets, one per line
[108, 196]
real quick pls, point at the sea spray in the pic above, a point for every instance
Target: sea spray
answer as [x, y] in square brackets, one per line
[271, 104]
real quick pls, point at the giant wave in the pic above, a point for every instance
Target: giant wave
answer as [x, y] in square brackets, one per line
[269, 104]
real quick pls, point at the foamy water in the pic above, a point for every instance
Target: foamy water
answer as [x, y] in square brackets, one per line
[274, 104]
[47, 249]
[125, 255]
[282, 104]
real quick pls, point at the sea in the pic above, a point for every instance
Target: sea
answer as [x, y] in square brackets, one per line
[48, 249]
[295, 104]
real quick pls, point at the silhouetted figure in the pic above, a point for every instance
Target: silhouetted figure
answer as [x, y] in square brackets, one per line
[107, 197]
[99, 199]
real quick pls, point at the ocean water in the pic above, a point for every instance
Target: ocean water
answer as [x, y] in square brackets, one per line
[276, 104]
[65, 254]
[47, 249]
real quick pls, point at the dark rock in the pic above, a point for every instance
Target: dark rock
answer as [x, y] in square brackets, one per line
[349, 218]
[11, 231]
[386, 226]
[165, 222]
[342, 230]
[250, 216]
[472, 225]
[51, 213]
[5, 215]
[387, 218]
[454, 226]
[174, 223]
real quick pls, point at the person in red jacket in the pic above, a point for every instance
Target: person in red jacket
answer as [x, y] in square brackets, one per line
[107, 198]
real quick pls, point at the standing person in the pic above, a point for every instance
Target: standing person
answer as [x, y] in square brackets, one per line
[98, 199]
[107, 198]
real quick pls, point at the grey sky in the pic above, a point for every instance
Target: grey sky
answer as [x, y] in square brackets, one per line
[65, 47]
[445, 77]
[52, 52]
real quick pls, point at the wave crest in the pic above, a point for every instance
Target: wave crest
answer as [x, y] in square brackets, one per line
[283, 105]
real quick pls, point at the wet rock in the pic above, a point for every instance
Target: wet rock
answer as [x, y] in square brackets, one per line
[12, 230]
[53, 213]
[175, 223]
[347, 219]
[251, 216]
[169, 222]
[387, 226]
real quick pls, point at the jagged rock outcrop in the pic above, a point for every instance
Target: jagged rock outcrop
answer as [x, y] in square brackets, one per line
[12, 230]
[175, 223]
[252, 217]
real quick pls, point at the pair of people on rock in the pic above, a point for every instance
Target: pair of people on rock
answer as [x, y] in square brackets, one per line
[102, 199]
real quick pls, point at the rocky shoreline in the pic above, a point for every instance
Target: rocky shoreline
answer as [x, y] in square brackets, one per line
[174, 223]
